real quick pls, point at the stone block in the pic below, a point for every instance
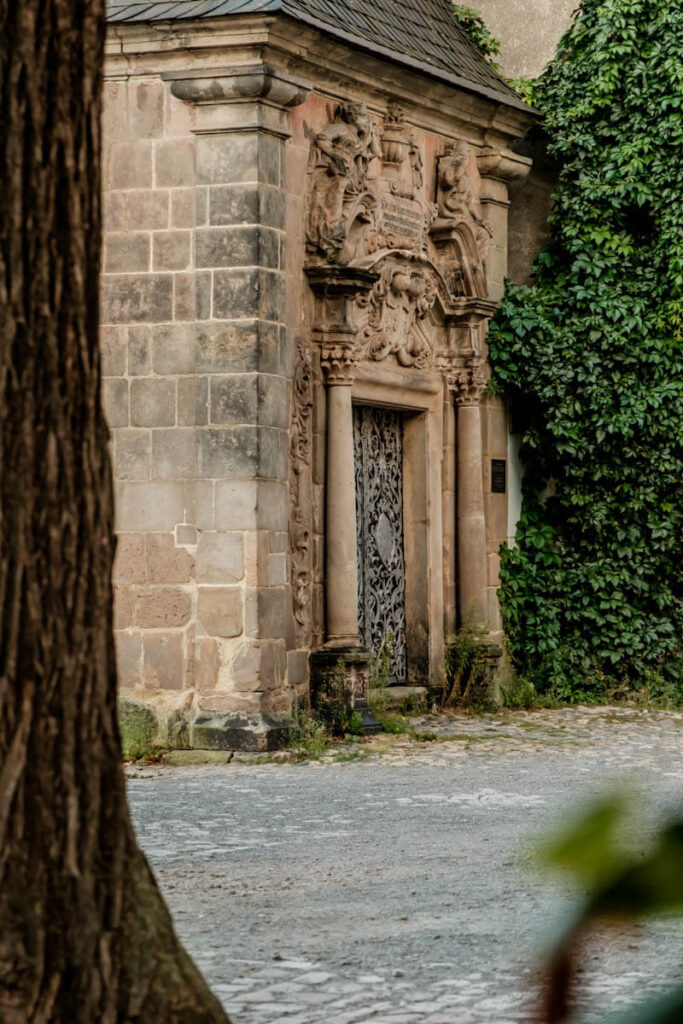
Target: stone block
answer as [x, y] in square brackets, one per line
[139, 361]
[124, 607]
[163, 661]
[201, 206]
[234, 399]
[278, 543]
[132, 449]
[240, 294]
[114, 112]
[239, 731]
[162, 608]
[174, 453]
[113, 348]
[236, 503]
[127, 252]
[220, 557]
[167, 563]
[193, 401]
[185, 533]
[207, 665]
[184, 297]
[174, 161]
[152, 402]
[152, 505]
[221, 159]
[234, 204]
[227, 452]
[237, 247]
[275, 613]
[173, 348]
[199, 504]
[203, 292]
[273, 453]
[129, 563]
[273, 400]
[225, 347]
[114, 211]
[219, 610]
[130, 165]
[127, 298]
[183, 208]
[128, 659]
[115, 401]
[171, 250]
[297, 668]
[146, 109]
[259, 666]
[148, 210]
[277, 570]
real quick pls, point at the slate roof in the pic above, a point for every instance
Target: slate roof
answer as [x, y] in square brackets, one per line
[422, 34]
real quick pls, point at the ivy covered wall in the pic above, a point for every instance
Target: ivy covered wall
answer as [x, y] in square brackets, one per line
[591, 354]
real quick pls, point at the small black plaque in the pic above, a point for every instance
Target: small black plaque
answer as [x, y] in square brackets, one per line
[498, 476]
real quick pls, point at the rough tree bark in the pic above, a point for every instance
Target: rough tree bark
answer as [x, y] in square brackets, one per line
[85, 937]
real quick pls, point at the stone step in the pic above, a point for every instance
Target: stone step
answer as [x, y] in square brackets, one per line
[394, 696]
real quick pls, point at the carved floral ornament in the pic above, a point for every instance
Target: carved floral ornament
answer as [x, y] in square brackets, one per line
[300, 486]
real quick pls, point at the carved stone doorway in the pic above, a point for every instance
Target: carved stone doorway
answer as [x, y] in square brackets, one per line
[378, 452]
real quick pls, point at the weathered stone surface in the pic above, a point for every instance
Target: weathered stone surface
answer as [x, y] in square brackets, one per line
[138, 727]
[128, 659]
[185, 296]
[275, 612]
[153, 505]
[229, 347]
[131, 299]
[249, 293]
[171, 250]
[247, 204]
[146, 109]
[152, 402]
[162, 607]
[174, 162]
[139, 361]
[174, 453]
[173, 348]
[193, 401]
[227, 158]
[220, 557]
[127, 251]
[228, 452]
[148, 210]
[129, 563]
[259, 666]
[207, 664]
[132, 452]
[183, 212]
[130, 165]
[239, 732]
[114, 350]
[237, 247]
[234, 399]
[219, 610]
[163, 662]
[115, 401]
[167, 563]
[124, 606]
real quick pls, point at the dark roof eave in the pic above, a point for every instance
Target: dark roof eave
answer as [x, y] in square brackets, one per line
[504, 98]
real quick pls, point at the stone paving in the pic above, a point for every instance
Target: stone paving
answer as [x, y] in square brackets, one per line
[399, 885]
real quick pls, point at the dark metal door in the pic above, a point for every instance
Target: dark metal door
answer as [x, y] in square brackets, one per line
[378, 446]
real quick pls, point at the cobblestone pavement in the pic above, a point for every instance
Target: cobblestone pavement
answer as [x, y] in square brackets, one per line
[402, 887]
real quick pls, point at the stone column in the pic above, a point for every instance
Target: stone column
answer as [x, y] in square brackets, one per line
[471, 512]
[341, 560]
[336, 290]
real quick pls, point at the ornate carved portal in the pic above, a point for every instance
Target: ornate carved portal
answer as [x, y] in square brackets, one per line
[378, 452]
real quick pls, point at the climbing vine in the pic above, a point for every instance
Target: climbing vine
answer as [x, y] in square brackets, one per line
[591, 354]
[478, 33]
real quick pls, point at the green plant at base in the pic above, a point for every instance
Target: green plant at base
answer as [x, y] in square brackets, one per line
[379, 676]
[466, 678]
[477, 32]
[519, 694]
[307, 733]
[592, 352]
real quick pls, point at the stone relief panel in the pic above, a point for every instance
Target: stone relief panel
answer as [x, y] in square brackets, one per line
[300, 490]
[396, 310]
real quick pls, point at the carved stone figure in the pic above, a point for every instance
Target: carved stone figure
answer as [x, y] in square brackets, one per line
[397, 305]
[417, 163]
[340, 156]
[455, 196]
[300, 461]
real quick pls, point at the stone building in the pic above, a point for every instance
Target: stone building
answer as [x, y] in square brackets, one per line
[306, 234]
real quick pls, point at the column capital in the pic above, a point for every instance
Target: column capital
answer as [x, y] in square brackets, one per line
[250, 97]
[337, 291]
[467, 385]
[498, 168]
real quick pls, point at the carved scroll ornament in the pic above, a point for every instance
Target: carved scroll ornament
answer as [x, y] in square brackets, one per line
[300, 469]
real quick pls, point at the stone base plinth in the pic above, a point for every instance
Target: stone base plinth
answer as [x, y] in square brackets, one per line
[341, 674]
[226, 731]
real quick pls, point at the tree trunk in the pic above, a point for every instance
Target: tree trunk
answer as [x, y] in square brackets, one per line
[85, 937]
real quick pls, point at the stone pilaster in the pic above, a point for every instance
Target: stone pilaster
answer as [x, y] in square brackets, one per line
[244, 360]
[497, 168]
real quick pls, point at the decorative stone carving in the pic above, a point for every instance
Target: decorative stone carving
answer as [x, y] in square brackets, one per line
[397, 305]
[341, 212]
[460, 227]
[299, 486]
[338, 362]
[467, 385]
[417, 165]
[394, 138]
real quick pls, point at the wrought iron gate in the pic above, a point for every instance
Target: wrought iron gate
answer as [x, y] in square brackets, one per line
[378, 447]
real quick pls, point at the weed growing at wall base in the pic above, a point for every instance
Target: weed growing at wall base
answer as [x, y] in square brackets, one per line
[592, 354]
